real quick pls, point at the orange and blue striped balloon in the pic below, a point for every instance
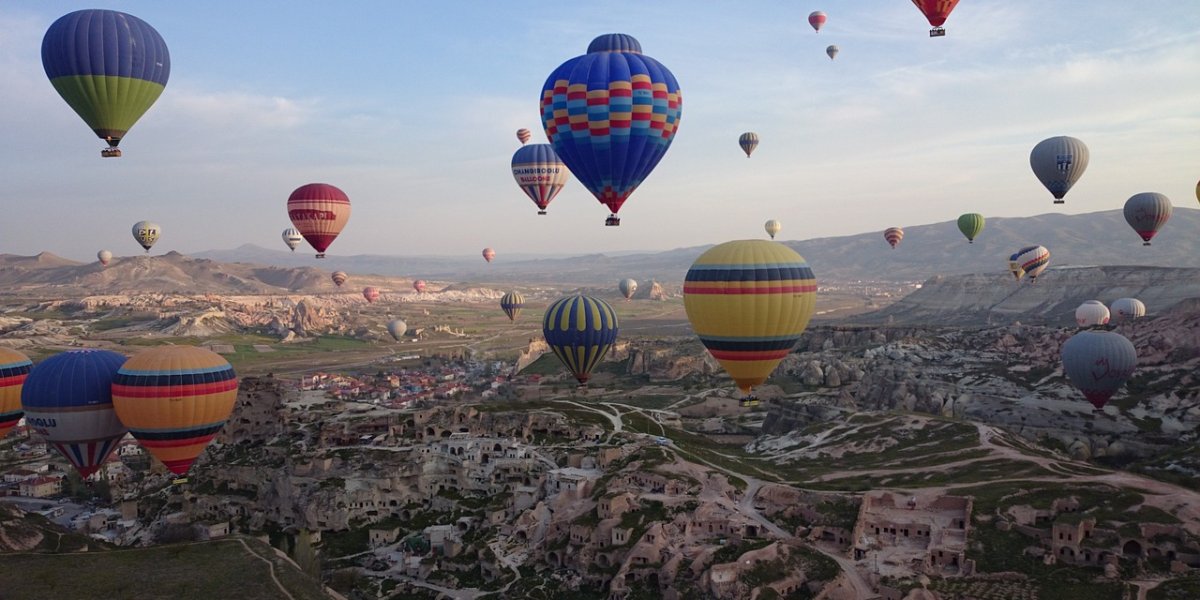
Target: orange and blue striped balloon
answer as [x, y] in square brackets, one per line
[175, 399]
[749, 301]
[14, 368]
[580, 330]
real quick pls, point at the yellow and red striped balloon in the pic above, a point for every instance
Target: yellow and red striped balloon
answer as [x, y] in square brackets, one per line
[14, 368]
[749, 301]
[175, 399]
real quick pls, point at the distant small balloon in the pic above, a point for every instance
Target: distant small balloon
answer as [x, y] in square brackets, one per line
[817, 19]
[511, 303]
[1059, 162]
[419, 285]
[773, 227]
[371, 293]
[292, 238]
[146, 233]
[628, 288]
[14, 368]
[748, 141]
[893, 235]
[104, 257]
[523, 135]
[338, 277]
[396, 329]
[1127, 309]
[1032, 260]
[970, 224]
[1098, 363]
[1146, 213]
[832, 51]
[489, 254]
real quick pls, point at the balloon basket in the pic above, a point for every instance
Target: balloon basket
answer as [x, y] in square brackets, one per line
[1060, 201]
[612, 221]
[542, 212]
[111, 153]
[937, 32]
[1145, 243]
[179, 481]
[748, 401]
[321, 255]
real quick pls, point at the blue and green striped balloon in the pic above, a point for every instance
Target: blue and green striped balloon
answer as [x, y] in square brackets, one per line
[109, 66]
[580, 330]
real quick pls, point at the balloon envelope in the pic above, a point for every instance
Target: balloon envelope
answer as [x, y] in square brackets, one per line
[540, 173]
[175, 399]
[319, 211]
[1127, 309]
[611, 115]
[748, 141]
[1098, 363]
[893, 235]
[146, 233]
[396, 328]
[68, 400]
[511, 303]
[419, 285]
[1091, 313]
[1146, 213]
[748, 301]
[489, 254]
[105, 257]
[338, 277]
[108, 66]
[14, 368]
[580, 330]
[817, 20]
[1059, 162]
[772, 227]
[628, 287]
[936, 11]
[970, 224]
[292, 238]
[1032, 260]
[832, 51]
[371, 293]
[523, 135]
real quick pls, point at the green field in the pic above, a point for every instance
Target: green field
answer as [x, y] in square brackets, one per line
[217, 569]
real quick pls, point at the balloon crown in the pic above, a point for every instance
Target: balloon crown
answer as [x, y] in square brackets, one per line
[615, 42]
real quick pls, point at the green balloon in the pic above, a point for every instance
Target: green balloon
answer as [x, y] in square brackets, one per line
[970, 225]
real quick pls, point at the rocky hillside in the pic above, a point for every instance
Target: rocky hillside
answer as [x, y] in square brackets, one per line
[996, 298]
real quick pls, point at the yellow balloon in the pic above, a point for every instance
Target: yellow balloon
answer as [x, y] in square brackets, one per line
[749, 301]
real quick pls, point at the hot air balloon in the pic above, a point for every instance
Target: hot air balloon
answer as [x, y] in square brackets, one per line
[1091, 313]
[773, 227]
[749, 301]
[1098, 362]
[523, 135]
[936, 12]
[817, 19]
[109, 66]
[338, 277]
[105, 257]
[893, 235]
[319, 211]
[1146, 213]
[748, 141]
[970, 225]
[1059, 162]
[292, 238]
[68, 400]
[611, 115]
[832, 51]
[540, 173]
[1127, 309]
[511, 303]
[14, 367]
[489, 254]
[396, 328]
[371, 293]
[146, 233]
[1032, 260]
[419, 285]
[175, 399]
[1198, 191]
[627, 287]
[580, 330]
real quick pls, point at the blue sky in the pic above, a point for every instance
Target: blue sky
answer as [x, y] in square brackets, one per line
[411, 109]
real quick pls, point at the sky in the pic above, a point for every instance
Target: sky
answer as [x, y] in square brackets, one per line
[411, 108]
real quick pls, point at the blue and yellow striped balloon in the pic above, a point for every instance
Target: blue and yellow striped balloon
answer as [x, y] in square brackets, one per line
[749, 301]
[511, 303]
[175, 399]
[580, 330]
[14, 368]
[109, 66]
